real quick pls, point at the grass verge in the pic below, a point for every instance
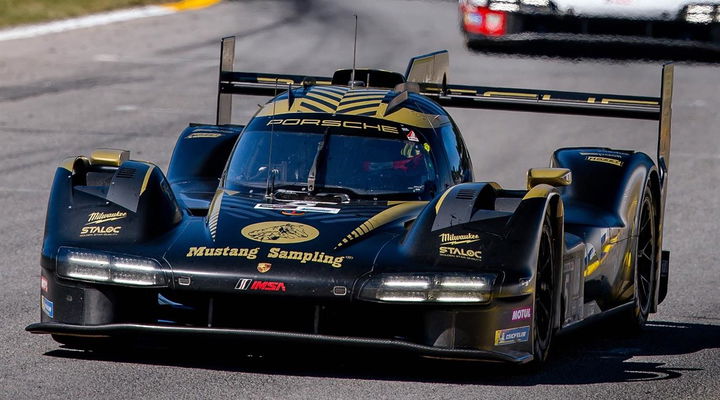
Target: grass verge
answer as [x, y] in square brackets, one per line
[18, 12]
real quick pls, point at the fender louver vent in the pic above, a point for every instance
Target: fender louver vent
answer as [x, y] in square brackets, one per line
[465, 194]
[127, 173]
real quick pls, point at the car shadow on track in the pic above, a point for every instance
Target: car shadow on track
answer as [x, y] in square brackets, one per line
[606, 51]
[596, 354]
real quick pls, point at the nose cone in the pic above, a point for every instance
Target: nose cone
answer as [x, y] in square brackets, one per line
[245, 248]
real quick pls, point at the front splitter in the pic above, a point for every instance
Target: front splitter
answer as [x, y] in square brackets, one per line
[128, 330]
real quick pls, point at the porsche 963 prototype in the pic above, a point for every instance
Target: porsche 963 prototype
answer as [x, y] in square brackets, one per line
[345, 213]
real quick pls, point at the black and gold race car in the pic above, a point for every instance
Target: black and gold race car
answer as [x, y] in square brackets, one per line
[345, 213]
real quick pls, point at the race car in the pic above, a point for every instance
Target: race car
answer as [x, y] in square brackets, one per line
[345, 213]
[667, 22]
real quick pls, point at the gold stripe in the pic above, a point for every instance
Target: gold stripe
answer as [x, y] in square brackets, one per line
[323, 82]
[366, 92]
[328, 99]
[274, 108]
[323, 107]
[442, 198]
[373, 103]
[146, 179]
[111, 157]
[363, 97]
[327, 91]
[644, 102]
[591, 100]
[539, 191]
[335, 96]
[307, 110]
[512, 94]
[463, 91]
[278, 80]
[546, 97]
[359, 111]
[591, 268]
[386, 216]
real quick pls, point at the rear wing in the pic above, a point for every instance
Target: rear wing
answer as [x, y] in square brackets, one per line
[428, 75]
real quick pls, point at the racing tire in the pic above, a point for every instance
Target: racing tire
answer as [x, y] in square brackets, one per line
[544, 310]
[645, 254]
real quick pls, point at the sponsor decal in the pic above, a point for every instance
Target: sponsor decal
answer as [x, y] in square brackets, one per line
[100, 231]
[521, 314]
[412, 137]
[305, 257]
[447, 251]
[198, 135]
[47, 307]
[512, 335]
[263, 267]
[243, 284]
[297, 209]
[267, 286]
[202, 251]
[333, 123]
[102, 217]
[604, 153]
[449, 238]
[426, 147]
[280, 232]
[605, 160]
[43, 284]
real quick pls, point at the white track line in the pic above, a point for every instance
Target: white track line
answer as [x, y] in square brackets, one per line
[29, 31]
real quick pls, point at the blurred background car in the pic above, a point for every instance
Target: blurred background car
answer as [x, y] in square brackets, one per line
[664, 22]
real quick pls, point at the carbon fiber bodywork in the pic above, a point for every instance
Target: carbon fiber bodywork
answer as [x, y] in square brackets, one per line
[185, 254]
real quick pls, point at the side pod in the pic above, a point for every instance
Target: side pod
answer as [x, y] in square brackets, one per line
[100, 202]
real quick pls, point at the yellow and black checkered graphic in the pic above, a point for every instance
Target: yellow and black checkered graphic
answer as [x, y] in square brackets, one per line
[321, 99]
[338, 100]
[361, 102]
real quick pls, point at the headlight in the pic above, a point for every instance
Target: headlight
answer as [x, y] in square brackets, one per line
[432, 288]
[702, 13]
[88, 265]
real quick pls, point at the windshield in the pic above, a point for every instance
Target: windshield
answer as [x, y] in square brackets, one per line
[355, 165]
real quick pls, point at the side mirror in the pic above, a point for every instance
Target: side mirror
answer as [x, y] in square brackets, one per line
[550, 176]
[110, 157]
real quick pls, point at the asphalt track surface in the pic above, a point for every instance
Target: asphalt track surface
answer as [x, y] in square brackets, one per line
[137, 84]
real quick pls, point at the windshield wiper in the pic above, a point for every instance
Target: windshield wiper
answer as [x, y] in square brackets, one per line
[313, 169]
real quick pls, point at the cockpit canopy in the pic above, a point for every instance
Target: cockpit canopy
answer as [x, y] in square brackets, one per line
[332, 159]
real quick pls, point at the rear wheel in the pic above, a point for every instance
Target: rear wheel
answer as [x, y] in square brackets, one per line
[645, 263]
[544, 295]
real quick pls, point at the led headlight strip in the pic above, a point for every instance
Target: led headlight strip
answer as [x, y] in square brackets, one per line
[429, 288]
[119, 269]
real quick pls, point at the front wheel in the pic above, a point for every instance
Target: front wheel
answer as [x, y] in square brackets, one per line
[544, 312]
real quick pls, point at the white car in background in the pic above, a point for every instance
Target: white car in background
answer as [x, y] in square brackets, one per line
[670, 22]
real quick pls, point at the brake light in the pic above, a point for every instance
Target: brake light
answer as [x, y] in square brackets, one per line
[483, 21]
